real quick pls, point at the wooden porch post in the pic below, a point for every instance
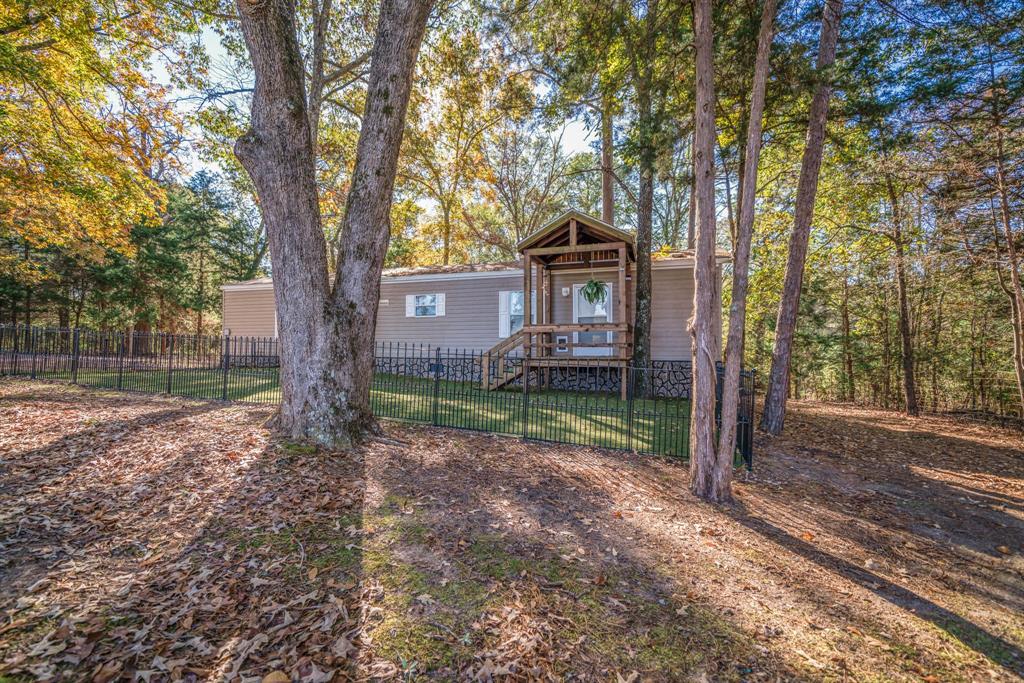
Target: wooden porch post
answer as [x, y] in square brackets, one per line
[527, 292]
[543, 301]
[622, 337]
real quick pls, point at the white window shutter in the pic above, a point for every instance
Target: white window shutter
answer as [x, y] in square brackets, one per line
[533, 307]
[410, 306]
[440, 303]
[504, 324]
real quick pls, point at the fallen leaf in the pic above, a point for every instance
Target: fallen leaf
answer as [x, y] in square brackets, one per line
[107, 671]
[342, 647]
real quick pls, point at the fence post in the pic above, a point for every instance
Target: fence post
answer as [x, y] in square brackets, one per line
[32, 337]
[437, 385]
[74, 356]
[526, 397]
[226, 358]
[628, 373]
[750, 426]
[120, 362]
[3, 347]
[170, 361]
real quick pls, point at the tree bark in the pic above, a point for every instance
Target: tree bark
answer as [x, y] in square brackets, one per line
[906, 339]
[886, 350]
[710, 477]
[743, 236]
[642, 283]
[607, 175]
[644, 227]
[326, 336]
[691, 225]
[774, 414]
[849, 392]
[936, 330]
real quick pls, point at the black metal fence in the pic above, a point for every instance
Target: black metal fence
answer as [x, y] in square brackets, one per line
[566, 400]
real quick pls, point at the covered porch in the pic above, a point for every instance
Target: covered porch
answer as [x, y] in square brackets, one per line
[561, 327]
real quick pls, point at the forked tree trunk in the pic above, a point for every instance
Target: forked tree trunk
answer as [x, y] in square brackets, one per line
[807, 188]
[744, 233]
[326, 335]
[708, 478]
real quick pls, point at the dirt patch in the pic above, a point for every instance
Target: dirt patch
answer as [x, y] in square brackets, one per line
[162, 539]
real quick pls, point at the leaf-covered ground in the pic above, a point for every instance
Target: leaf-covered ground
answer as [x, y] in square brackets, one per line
[158, 539]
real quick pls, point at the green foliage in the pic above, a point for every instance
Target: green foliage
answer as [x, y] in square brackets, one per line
[168, 277]
[594, 291]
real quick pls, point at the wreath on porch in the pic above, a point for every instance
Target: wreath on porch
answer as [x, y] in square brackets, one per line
[594, 291]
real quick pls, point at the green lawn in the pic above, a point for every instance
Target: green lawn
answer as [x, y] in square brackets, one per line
[595, 419]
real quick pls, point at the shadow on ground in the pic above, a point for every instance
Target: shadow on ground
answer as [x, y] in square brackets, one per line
[158, 539]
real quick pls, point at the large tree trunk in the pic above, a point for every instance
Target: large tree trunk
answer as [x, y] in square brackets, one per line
[775, 401]
[906, 339]
[886, 350]
[326, 337]
[642, 284]
[607, 174]
[644, 228]
[741, 247]
[710, 477]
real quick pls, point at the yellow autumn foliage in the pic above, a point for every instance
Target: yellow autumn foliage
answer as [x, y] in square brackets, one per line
[82, 125]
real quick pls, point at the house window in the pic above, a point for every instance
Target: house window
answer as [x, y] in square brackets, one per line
[511, 312]
[515, 312]
[424, 305]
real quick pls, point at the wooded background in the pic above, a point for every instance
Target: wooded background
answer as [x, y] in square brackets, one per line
[122, 204]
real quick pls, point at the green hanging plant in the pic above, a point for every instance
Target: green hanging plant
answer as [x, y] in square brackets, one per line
[594, 291]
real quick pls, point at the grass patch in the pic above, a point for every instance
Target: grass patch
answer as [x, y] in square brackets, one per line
[584, 418]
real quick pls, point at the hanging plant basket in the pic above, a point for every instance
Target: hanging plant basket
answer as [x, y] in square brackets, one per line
[594, 291]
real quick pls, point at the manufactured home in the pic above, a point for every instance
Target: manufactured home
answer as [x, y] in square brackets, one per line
[481, 307]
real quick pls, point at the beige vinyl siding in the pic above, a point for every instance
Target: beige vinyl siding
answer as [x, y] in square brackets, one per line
[471, 311]
[671, 306]
[248, 312]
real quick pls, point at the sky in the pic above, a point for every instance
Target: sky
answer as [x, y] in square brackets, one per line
[575, 139]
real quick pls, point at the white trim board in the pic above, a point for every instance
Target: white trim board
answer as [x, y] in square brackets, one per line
[473, 275]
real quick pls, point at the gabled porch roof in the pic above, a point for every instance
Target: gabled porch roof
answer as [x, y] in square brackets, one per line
[575, 228]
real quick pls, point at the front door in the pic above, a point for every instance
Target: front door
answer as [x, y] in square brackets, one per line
[584, 312]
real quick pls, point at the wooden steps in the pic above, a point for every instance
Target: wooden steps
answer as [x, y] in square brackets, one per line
[497, 359]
